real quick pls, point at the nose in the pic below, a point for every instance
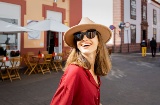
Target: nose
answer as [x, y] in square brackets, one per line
[85, 38]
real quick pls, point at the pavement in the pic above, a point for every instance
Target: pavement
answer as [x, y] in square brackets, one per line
[133, 80]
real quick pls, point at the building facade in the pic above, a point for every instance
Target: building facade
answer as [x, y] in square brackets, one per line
[142, 20]
[25, 12]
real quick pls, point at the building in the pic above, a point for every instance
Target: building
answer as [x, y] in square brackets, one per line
[25, 12]
[142, 20]
[141, 17]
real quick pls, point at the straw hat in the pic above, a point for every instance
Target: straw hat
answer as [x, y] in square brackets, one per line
[86, 24]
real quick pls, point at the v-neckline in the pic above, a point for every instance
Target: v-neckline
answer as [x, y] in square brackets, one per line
[93, 80]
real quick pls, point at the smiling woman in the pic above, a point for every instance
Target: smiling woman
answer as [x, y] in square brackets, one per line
[88, 60]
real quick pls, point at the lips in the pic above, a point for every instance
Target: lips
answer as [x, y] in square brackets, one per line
[86, 45]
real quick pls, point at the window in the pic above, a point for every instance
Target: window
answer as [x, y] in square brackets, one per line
[154, 17]
[133, 9]
[133, 33]
[154, 33]
[9, 41]
[144, 13]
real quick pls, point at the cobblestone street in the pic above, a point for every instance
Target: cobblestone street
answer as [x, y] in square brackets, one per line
[133, 80]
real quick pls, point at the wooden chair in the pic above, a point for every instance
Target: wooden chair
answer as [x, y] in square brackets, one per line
[30, 63]
[54, 67]
[3, 70]
[14, 69]
[45, 64]
[58, 60]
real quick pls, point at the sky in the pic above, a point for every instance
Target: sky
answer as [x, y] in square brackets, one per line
[99, 11]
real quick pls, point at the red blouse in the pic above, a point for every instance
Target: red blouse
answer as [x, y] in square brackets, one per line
[77, 87]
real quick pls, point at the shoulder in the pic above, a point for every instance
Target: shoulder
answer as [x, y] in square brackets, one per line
[73, 69]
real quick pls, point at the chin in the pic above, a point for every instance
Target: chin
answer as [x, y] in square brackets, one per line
[87, 52]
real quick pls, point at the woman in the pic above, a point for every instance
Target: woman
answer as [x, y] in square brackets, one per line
[89, 59]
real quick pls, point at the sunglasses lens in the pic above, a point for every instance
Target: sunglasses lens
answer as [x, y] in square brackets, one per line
[91, 34]
[78, 36]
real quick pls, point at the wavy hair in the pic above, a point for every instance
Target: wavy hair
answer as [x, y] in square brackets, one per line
[102, 64]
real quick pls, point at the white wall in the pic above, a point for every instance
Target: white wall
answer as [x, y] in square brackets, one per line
[11, 11]
[54, 15]
[131, 21]
[150, 8]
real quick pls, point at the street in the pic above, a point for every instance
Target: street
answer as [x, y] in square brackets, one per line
[133, 80]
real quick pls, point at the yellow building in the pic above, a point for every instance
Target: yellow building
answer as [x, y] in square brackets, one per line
[26, 12]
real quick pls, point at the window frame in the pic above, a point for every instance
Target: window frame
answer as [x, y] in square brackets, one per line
[133, 33]
[133, 9]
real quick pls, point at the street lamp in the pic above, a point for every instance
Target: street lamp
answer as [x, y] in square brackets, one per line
[121, 26]
[127, 25]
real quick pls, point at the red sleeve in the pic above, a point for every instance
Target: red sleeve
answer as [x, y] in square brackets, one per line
[68, 86]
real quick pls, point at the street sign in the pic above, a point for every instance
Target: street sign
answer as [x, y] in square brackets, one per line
[121, 25]
[112, 27]
[127, 25]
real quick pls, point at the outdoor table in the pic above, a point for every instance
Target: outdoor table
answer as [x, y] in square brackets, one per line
[43, 62]
[38, 59]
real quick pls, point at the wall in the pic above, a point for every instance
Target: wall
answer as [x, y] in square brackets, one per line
[75, 12]
[37, 10]
[156, 7]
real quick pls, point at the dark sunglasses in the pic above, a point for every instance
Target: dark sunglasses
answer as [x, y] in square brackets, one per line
[78, 36]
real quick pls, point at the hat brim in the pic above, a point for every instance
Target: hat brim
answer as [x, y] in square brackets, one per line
[103, 30]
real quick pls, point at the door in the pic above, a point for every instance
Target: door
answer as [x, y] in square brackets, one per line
[144, 35]
[50, 42]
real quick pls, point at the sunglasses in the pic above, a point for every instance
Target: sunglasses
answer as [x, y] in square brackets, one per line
[78, 36]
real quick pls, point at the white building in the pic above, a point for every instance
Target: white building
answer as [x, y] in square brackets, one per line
[142, 18]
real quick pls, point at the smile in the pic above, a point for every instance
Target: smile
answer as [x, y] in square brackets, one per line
[86, 45]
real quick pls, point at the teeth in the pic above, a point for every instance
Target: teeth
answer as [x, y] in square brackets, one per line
[86, 45]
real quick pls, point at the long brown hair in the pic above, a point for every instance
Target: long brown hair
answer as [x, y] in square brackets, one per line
[102, 61]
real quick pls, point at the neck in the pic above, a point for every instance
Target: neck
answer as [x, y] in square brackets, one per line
[91, 59]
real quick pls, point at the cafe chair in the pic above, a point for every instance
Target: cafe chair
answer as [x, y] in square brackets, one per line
[58, 60]
[53, 64]
[3, 69]
[45, 65]
[15, 67]
[30, 63]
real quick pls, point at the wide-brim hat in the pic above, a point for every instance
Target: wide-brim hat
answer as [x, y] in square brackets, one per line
[86, 24]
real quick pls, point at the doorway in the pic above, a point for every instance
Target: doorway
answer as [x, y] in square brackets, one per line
[52, 41]
[144, 35]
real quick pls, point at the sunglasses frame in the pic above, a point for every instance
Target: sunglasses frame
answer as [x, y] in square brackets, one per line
[78, 36]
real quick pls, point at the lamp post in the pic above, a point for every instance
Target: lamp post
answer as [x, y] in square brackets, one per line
[128, 40]
[127, 25]
[121, 26]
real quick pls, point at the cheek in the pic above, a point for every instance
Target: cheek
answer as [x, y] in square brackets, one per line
[78, 44]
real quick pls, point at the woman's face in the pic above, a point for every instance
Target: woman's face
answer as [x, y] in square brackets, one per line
[87, 45]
